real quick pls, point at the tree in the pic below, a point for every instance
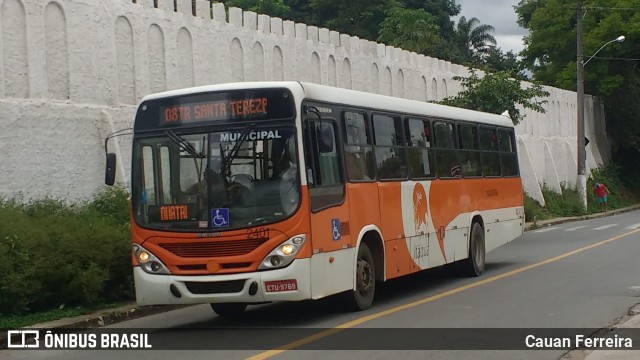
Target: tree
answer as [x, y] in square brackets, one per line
[409, 29]
[275, 8]
[441, 11]
[550, 50]
[300, 12]
[614, 75]
[360, 18]
[497, 92]
[494, 60]
[473, 37]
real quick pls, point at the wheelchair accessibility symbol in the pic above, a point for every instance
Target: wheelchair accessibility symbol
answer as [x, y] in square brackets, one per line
[335, 229]
[220, 217]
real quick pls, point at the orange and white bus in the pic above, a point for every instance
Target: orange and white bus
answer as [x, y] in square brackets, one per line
[247, 193]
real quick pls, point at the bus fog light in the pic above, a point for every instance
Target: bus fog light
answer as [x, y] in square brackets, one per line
[275, 260]
[288, 249]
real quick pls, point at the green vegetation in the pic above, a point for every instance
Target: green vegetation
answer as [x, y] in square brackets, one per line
[17, 321]
[497, 92]
[568, 203]
[57, 256]
[613, 75]
[423, 26]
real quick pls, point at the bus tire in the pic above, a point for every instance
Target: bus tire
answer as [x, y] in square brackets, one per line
[362, 297]
[473, 266]
[229, 309]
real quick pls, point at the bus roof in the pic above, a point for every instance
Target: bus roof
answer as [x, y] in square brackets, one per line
[355, 98]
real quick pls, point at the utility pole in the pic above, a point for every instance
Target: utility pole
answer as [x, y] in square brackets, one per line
[581, 185]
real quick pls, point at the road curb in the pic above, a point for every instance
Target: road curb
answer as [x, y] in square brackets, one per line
[96, 319]
[557, 221]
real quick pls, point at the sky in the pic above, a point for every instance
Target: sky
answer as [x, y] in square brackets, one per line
[501, 15]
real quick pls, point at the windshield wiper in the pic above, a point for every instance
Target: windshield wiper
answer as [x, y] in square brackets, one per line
[184, 144]
[236, 147]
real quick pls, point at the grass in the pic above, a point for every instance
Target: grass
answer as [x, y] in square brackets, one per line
[58, 256]
[567, 203]
[18, 321]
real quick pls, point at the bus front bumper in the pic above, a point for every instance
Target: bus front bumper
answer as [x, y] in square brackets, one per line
[253, 287]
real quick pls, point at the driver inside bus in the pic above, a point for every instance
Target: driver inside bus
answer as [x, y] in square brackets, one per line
[286, 170]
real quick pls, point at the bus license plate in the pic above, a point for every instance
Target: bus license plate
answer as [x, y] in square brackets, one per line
[281, 285]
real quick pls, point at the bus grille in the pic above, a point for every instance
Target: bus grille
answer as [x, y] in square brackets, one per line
[214, 248]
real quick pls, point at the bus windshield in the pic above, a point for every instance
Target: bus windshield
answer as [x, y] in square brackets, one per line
[218, 180]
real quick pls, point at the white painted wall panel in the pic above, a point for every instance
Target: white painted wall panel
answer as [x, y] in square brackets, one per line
[97, 58]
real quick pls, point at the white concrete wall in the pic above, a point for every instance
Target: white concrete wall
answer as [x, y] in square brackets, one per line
[71, 72]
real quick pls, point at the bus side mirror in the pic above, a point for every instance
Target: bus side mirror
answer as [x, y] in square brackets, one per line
[110, 171]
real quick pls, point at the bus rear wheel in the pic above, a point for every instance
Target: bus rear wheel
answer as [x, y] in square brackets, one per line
[362, 297]
[229, 309]
[473, 266]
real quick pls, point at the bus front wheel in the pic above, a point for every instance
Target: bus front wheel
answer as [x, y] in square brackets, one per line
[229, 309]
[362, 297]
[474, 265]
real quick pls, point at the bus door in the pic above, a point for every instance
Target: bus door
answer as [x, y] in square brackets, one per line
[329, 211]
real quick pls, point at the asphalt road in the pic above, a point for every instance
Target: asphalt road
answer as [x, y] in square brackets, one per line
[581, 275]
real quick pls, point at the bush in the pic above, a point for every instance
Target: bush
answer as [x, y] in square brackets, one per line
[533, 211]
[568, 202]
[52, 254]
[613, 177]
[562, 204]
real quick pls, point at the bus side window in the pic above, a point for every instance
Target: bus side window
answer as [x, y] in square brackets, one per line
[447, 162]
[358, 152]
[489, 151]
[421, 157]
[391, 160]
[469, 154]
[323, 161]
[508, 156]
[328, 156]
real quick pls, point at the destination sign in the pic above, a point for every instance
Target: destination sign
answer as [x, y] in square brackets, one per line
[214, 110]
[216, 107]
[173, 212]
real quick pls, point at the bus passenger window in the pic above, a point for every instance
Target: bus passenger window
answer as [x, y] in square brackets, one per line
[448, 165]
[469, 150]
[505, 141]
[421, 158]
[329, 168]
[326, 186]
[508, 156]
[358, 151]
[391, 162]
[489, 148]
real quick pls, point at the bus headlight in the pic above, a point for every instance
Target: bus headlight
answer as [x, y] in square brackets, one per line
[288, 249]
[284, 253]
[149, 262]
